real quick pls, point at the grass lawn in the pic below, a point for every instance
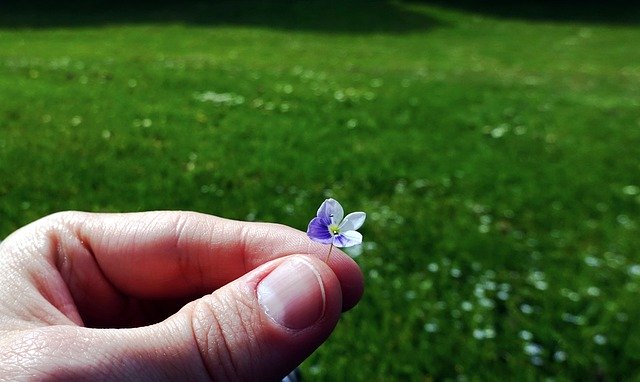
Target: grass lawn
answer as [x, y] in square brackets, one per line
[496, 151]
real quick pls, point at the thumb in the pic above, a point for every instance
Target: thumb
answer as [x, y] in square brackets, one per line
[258, 327]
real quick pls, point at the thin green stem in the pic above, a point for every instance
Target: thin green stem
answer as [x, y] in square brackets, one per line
[329, 254]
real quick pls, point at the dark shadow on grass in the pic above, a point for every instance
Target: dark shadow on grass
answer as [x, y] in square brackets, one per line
[614, 12]
[312, 15]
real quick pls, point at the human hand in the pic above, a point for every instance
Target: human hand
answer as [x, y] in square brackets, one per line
[165, 296]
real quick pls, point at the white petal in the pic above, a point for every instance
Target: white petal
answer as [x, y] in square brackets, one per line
[347, 239]
[332, 208]
[353, 221]
[323, 213]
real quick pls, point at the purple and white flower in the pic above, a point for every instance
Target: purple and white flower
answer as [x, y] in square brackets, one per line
[329, 226]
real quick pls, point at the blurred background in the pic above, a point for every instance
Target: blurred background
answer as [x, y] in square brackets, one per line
[494, 145]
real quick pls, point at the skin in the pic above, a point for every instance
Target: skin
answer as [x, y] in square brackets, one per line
[157, 296]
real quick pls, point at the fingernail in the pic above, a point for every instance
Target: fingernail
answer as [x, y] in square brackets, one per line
[293, 294]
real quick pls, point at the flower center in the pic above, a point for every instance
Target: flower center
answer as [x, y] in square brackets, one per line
[334, 229]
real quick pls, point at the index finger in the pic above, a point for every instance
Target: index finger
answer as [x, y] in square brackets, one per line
[174, 254]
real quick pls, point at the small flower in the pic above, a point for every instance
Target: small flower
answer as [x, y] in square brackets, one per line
[329, 227]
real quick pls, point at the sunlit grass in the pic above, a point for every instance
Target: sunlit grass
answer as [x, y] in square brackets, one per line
[497, 160]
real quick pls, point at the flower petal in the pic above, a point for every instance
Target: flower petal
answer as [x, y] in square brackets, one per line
[347, 239]
[319, 231]
[323, 213]
[353, 221]
[331, 207]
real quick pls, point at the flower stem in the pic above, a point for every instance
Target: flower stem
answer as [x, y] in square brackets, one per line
[328, 254]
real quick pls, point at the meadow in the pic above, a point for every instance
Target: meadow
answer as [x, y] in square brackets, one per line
[495, 150]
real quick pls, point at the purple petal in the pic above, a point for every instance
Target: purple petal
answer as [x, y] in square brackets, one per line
[331, 211]
[347, 239]
[353, 221]
[318, 231]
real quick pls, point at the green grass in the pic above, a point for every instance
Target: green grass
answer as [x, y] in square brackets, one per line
[496, 154]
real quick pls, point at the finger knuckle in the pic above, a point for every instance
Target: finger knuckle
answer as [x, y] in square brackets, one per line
[225, 338]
